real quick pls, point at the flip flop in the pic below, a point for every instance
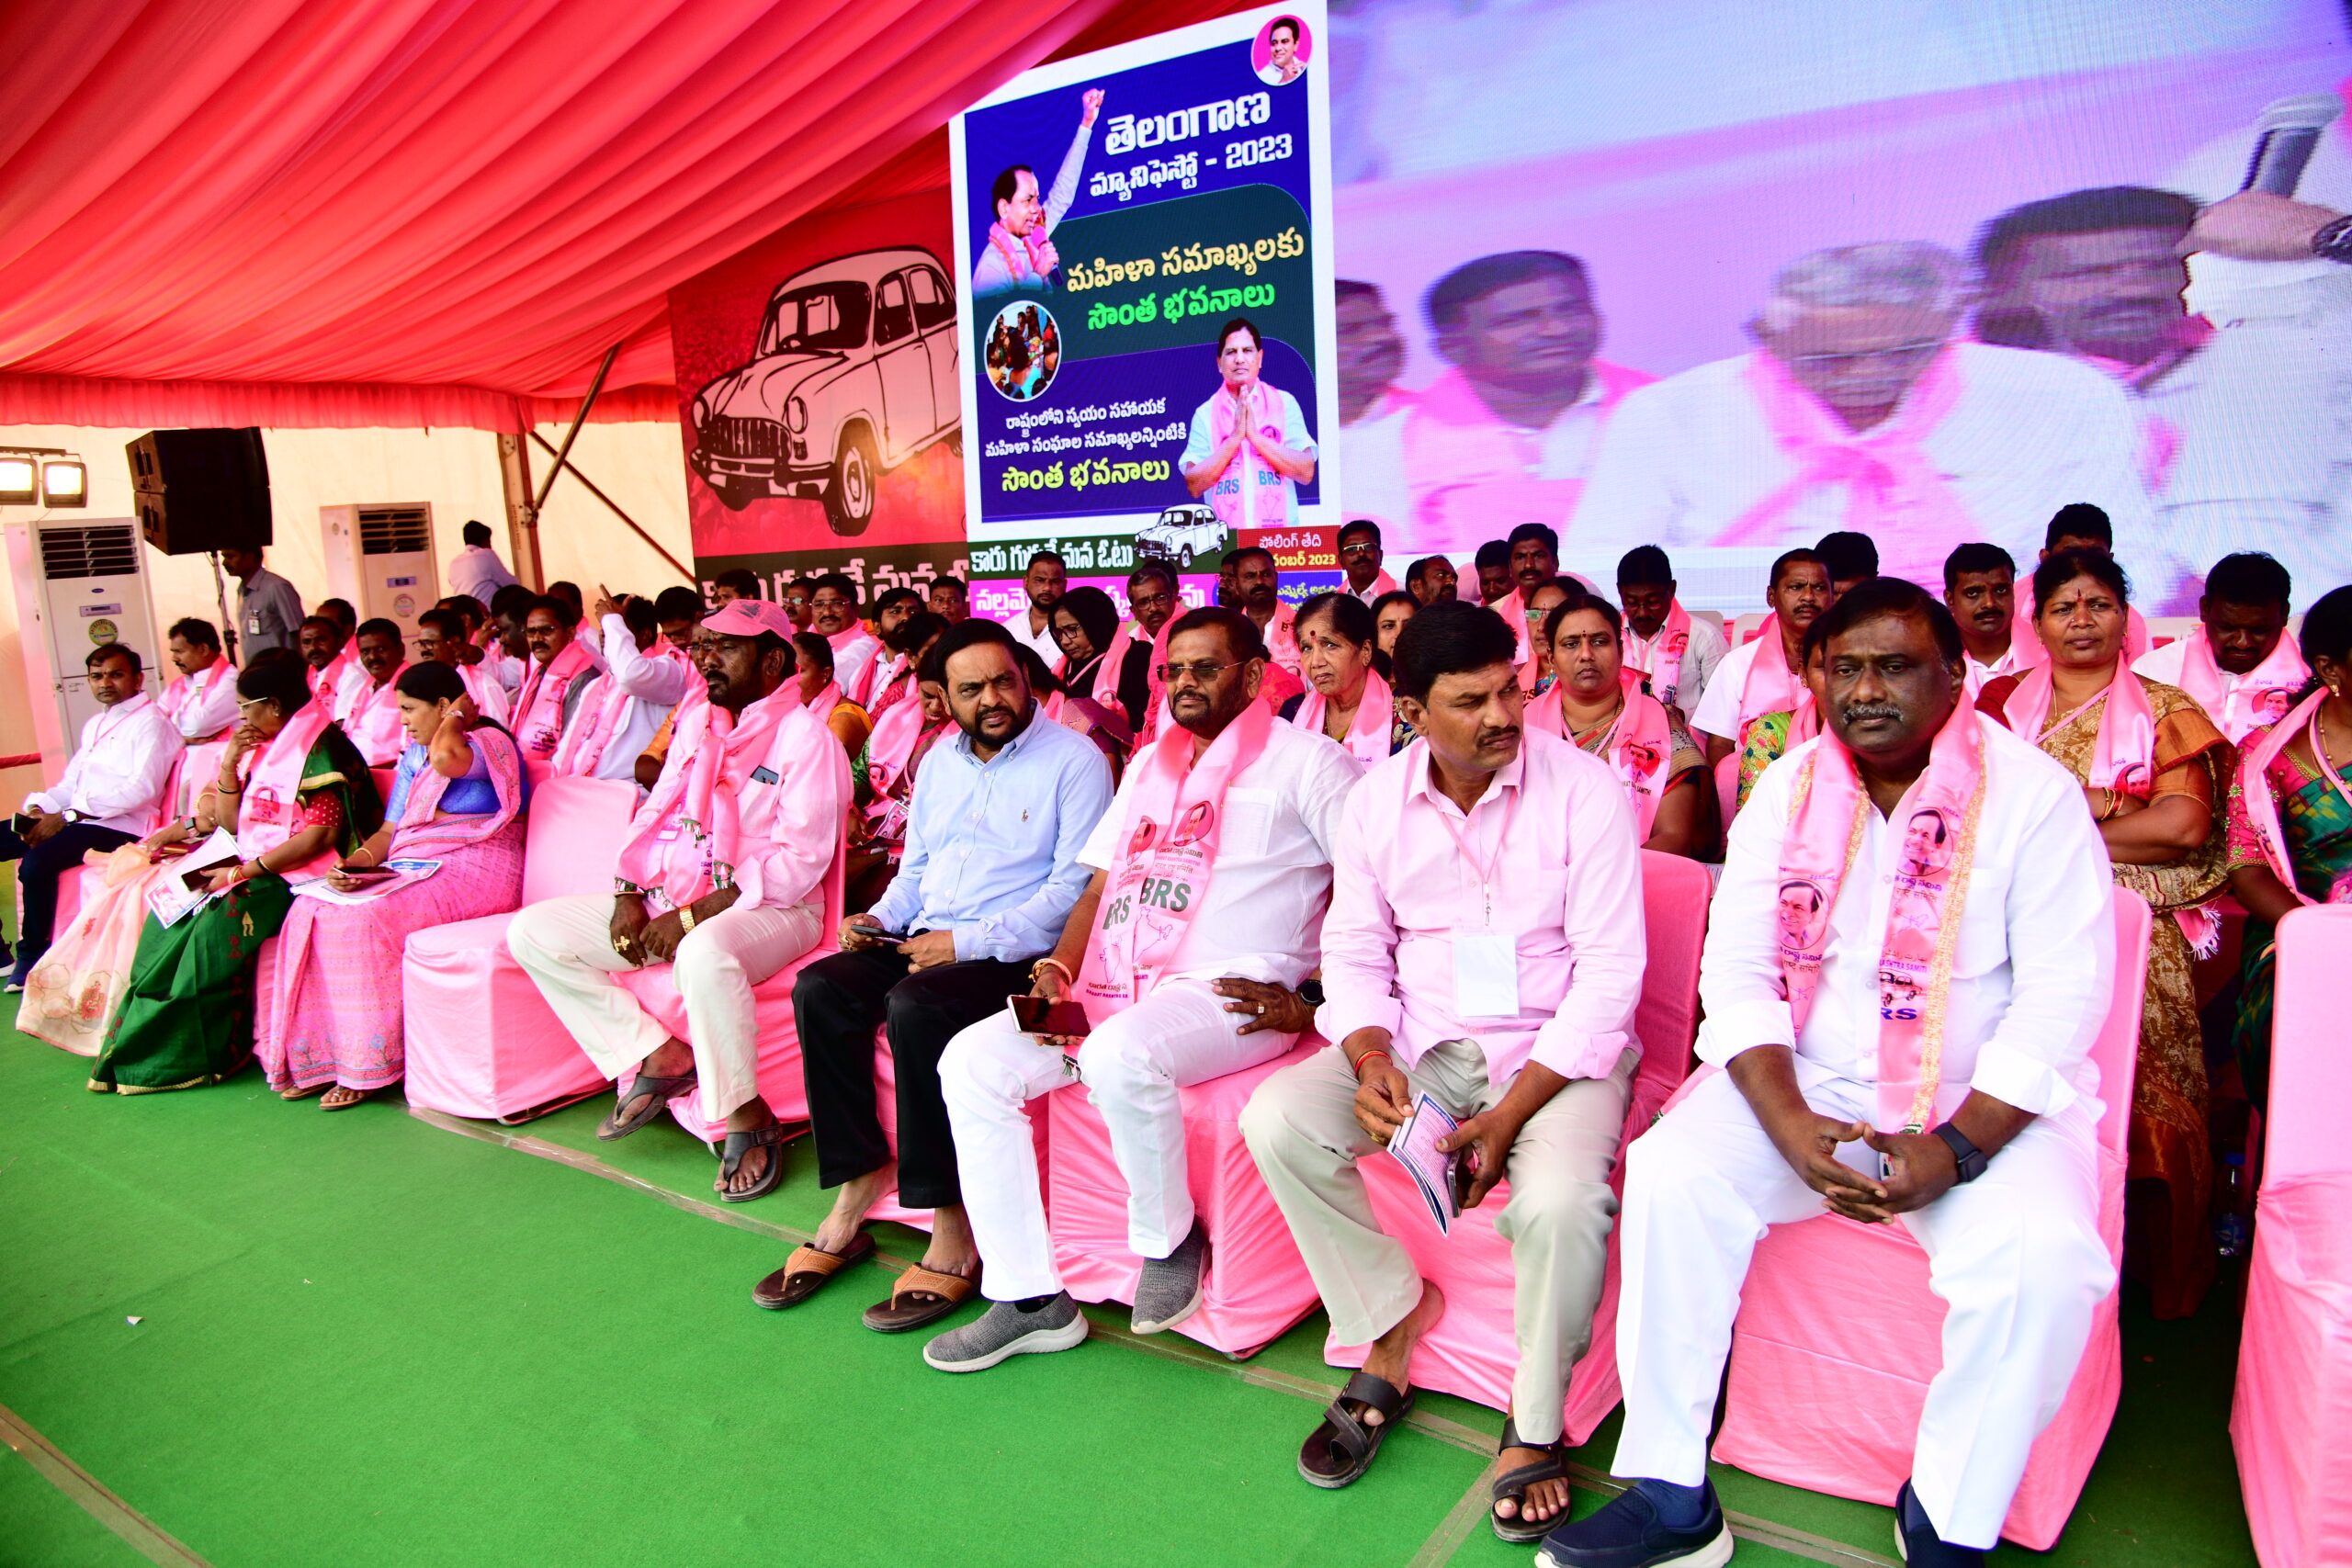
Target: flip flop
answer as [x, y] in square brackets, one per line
[921, 1298]
[313, 1092]
[357, 1096]
[656, 1094]
[771, 1139]
[1337, 1452]
[1513, 1485]
[807, 1270]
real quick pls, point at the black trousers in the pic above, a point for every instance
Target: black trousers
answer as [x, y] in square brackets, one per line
[837, 1003]
[43, 863]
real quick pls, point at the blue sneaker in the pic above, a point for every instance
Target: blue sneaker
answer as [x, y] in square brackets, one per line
[1627, 1533]
[1918, 1541]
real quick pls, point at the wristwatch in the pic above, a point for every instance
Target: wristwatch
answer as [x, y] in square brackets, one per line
[70, 816]
[1310, 991]
[2334, 241]
[1973, 1161]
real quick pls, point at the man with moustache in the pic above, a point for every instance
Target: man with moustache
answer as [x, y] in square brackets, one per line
[1152, 600]
[1980, 592]
[1763, 680]
[1675, 652]
[2239, 663]
[1373, 408]
[950, 599]
[373, 724]
[1508, 435]
[441, 635]
[563, 669]
[1432, 579]
[1043, 584]
[201, 701]
[1360, 559]
[986, 884]
[326, 647]
[1257, 582]
[832, 615]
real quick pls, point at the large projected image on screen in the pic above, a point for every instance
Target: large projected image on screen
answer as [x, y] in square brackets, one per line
[1728, 278]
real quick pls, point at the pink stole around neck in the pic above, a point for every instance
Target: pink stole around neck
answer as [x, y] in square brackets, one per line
[1034, 251]
[375, 723]
[270, 808]
[419, 834]
[1673, 640]
[538, 706]
[684, 840]
[1167, 848]
[1637, 747]
[1828, 816]
[581, 749]
[2262, 810]
[1234, 496]
[1773, 687]
[2236, 710]
[1371, 727]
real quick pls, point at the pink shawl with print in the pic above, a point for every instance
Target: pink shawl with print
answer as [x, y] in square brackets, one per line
[1639, 744]
[684, 840]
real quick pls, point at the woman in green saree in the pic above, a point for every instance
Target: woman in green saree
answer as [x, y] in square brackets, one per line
[2291, 823]
[298, 796]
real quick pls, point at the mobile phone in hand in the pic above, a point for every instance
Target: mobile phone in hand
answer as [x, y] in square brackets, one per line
[1035, 1015]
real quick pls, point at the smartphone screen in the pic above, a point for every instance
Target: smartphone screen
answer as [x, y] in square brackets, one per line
[1035, 1015]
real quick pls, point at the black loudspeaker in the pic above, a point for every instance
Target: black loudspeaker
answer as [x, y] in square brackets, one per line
[201, 490]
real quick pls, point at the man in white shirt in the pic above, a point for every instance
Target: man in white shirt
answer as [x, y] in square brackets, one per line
[372, 722]
[1203, 983]
[2239, 663]
[476, 572]
[1980, 592]
[1839, 1094]
[646, 677]
[1675, 652]
[201, 701]
[441, 635]
[1044, 582]
[1860, 410]
[326, 648]
[726, 905]
[1738, 693]
[111, 792]
[1360, 557]
[1372, 406]
[832, 615]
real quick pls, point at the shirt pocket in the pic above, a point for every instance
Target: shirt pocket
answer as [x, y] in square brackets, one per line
[1249, 823]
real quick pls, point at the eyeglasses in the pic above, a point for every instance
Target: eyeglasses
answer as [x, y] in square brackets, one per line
[1201, 671]
[1900, 356]
[1348, 550]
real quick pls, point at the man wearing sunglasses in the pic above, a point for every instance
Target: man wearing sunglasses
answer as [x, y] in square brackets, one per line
[1861, 408]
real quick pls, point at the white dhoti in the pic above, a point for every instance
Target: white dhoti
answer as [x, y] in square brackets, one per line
[566, 947]
[1302, 1130]
[1132, 1065]
[2016, 1254]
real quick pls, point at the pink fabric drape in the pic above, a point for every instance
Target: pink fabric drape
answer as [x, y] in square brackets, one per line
[370, 212]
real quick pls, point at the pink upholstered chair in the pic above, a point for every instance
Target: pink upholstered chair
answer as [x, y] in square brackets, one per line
[1472, 1351]
[481, 1040]
[1814, 1404]
[2292, 1424]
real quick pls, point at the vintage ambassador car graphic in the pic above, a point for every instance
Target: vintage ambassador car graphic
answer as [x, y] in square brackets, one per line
[855, 373]
[1181, 535]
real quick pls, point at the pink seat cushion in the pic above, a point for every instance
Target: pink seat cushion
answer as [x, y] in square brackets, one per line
[1258, 1285]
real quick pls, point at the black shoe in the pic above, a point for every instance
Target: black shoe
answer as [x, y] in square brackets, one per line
[1916, 1541]
[1626, 1533]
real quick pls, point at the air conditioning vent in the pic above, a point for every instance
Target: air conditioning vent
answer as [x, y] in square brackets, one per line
[88, 552]
[394, 530]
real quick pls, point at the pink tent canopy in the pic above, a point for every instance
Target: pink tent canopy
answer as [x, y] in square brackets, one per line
[442, 212]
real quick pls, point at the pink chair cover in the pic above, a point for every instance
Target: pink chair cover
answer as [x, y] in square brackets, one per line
[1828, 1399]
[2292, 1422]
[1258, 1285]
[1472, 1352]
[481, 1040]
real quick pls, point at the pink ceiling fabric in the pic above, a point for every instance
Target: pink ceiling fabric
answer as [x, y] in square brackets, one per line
[422, 212]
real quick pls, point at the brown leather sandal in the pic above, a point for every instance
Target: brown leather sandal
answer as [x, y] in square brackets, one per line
[920, 1299]
[805, 1272]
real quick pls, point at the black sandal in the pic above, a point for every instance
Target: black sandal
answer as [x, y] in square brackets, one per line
[771, 1139]
[1337, 1452]
[1513, 1485]
[656, 1093]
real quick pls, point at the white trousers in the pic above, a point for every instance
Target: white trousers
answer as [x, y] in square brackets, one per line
[566, 947]
[1303, 1132]
[2015, 1255]
[1132, 1067]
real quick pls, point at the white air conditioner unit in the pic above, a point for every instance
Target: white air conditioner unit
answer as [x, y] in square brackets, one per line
[79, 584]
[380, 558]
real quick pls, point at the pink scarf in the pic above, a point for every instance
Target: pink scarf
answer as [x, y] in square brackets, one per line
[1673, 640]
[1167, 855]
[1773, 687]
[271, 809]
[890, 764]
[1638, 745]
[538, 706]
[1233, 497]
[1368, 731]
[2262, 806]
[324, 682]
[1829, 816]
[684, 840]
[188, 690]
[1159, 698]
[2160, 438]
[375, 722]
[419, 835]
[2238, 710]
[1106, 673]
[1895, 489]
[581, 749]
[1030, 258]
[897, 683]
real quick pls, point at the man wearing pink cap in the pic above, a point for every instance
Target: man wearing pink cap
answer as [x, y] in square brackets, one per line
[723, 877]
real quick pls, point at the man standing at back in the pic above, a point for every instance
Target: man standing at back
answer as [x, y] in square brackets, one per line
[986, 884]
[1044, 582]
[476, 572]
[1674, 651]
[269, 612]
[2239, 663]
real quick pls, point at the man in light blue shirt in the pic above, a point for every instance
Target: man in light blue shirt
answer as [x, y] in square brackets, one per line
[989, 878]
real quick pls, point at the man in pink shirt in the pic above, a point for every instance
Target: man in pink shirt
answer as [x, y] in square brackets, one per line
[1484, 948]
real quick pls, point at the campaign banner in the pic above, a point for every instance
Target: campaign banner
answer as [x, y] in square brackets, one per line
[1113, 213]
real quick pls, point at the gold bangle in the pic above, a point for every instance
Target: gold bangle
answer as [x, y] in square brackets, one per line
[1050, 962]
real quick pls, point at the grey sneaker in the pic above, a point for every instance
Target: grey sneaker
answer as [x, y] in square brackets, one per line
[1005, 1330]
[1170, 1288]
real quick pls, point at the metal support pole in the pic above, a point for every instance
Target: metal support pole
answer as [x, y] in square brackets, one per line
[522, 526]
[682, 570]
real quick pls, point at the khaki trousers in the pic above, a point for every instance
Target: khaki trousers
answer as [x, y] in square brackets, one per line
[1302, 1130]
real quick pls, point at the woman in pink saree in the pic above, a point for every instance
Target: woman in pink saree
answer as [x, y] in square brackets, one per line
[332, 1020]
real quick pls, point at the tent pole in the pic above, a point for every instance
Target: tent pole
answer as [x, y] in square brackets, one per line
[522, 537]
[532, 508]
[613, 506]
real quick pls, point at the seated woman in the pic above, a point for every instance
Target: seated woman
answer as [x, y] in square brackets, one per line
[2153, 769]
[334, 1012]
[1389, 614]
[883, 782]
[1597, 703]
[1106, 727]
[2290, 824]
[297, 794]
[1085, 624]
[1347, 697]
[1536, 676]
[822, 692]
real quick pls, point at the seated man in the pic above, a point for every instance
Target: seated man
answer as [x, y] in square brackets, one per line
[201, 701]
[647, 677]
[1171, 926]
[326, 650]
[111, 792]
[950, 600]
[2077, 525]
[1852, 557]
[2240, 664]
[987, 882]
[729, 896]
[373, 721]
[1360, 557]
[505, 653]
[1675, 652]
[677, 611]
[1431, 578]
[1980, 592]
[1757, 702]
[441, 636]
[832, 611]
[1493, 565]
[563, 668]
[1485, 948]
[1981, 1138]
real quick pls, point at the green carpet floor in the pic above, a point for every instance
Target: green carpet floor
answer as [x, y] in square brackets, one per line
[365, 1340]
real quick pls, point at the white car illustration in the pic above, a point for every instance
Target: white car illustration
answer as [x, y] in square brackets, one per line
[1180, 534]
[856, 372]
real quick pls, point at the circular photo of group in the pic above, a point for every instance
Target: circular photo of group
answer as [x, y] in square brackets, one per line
[1025, 350]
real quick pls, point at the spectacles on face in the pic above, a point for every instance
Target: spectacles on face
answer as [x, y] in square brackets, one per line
[1358, 552]
[1903, 357]
[1203, 671]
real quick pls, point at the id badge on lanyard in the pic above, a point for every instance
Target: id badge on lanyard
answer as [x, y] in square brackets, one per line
[1486, 956]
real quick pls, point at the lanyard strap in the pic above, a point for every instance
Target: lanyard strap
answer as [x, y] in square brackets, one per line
[1493, 866]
